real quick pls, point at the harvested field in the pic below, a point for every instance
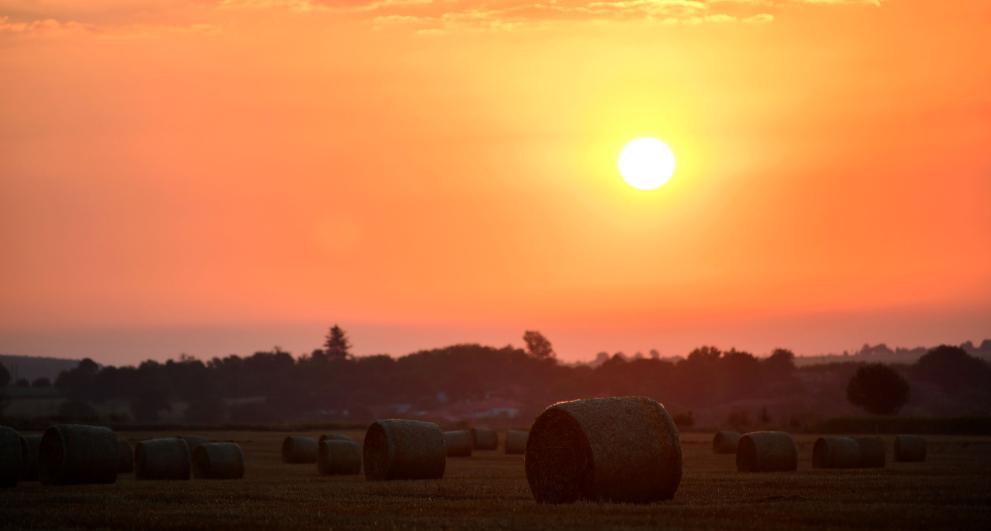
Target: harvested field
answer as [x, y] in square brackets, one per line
[951, 490]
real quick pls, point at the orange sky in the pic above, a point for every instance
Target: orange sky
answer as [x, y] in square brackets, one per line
[220, 176]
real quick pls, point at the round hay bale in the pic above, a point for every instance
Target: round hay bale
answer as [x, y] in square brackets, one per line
[484, 439]
[76, 454]
[910, 448]
[872, 452]
[724, 442]
[623, 449]
[296, 450]
[333, 437]
[32, 446]
[404, 449]
[516, 441]
[166, 458]
[766, 451]
[337, 457]
[125, 463]
[12, 454]
[222, 460]
[193, 441]
[835, 452]
[458, 443]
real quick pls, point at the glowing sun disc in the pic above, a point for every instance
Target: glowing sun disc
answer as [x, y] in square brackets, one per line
[646, 163]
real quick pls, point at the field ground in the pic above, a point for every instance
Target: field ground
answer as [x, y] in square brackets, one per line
[489, 491]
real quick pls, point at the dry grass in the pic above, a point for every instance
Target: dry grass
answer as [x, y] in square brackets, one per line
[489, 491]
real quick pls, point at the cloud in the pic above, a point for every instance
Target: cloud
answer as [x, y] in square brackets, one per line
[130, 16]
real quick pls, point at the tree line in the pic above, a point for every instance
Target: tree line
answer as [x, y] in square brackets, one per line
[331, 384]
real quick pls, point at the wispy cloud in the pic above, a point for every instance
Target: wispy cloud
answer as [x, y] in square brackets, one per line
[111, 16]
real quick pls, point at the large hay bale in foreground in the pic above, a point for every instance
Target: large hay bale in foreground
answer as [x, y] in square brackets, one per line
[404, 449]
[516, 441]
[12, 453]
[872, 452]
[76, 454]
[724, 442]
[766, 451]
[125, 454]
[297, 449]
[167, 458]
[623, 449]
[910, 448]
[222, 460]
[458, 443]
[193, 441]
[32, 447]
[836, 452]
[484, 439]
[337, 457]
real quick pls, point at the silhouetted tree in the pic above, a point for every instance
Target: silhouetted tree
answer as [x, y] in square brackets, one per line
[952, 369]
[4, 376]
[77, 410]
[878, 389]
[537, 345]
[41, 382]
[336, 346]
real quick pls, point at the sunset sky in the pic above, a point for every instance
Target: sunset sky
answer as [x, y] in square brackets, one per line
[214, 177]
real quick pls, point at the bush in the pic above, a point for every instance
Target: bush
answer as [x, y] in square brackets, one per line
[878, 389]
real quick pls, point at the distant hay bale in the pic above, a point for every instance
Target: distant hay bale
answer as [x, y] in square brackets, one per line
[724, 442]
[484, 439]
[76, 454]
[125, 463]
[32, 447]
[516, 441]
[297, 449]
[338, 457]
[872, 452]
[836, 452]
[766, 451]
[910, 448]
[221, 460]
[458, 443]
[622, 449]
[193, 441]
[333, 437]
[166, 458]
[12, 454]
[404, 449]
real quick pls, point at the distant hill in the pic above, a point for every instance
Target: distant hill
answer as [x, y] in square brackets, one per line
[881, 353]
[32, 367]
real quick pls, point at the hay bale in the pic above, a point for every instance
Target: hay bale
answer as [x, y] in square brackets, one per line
[910, 448]
[166, 458]
[337, 457]
[404, 449]
[766, 451]
[836, 452]
[332, 437]
[516, 441]
[484, 439]
[32, 446]
[872, 452]
[125, 454]
[458, 443]
[724, 442]
[193, 441]
[222, 460]
[76, 454]
[623, 449]
[12, 454]
[296, 449]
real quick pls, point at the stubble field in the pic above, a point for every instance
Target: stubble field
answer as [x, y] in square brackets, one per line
[489, 491]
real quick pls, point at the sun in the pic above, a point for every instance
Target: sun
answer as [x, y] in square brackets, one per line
[646, 163]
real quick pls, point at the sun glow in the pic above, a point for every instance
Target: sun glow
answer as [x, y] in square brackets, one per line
[646, 163]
